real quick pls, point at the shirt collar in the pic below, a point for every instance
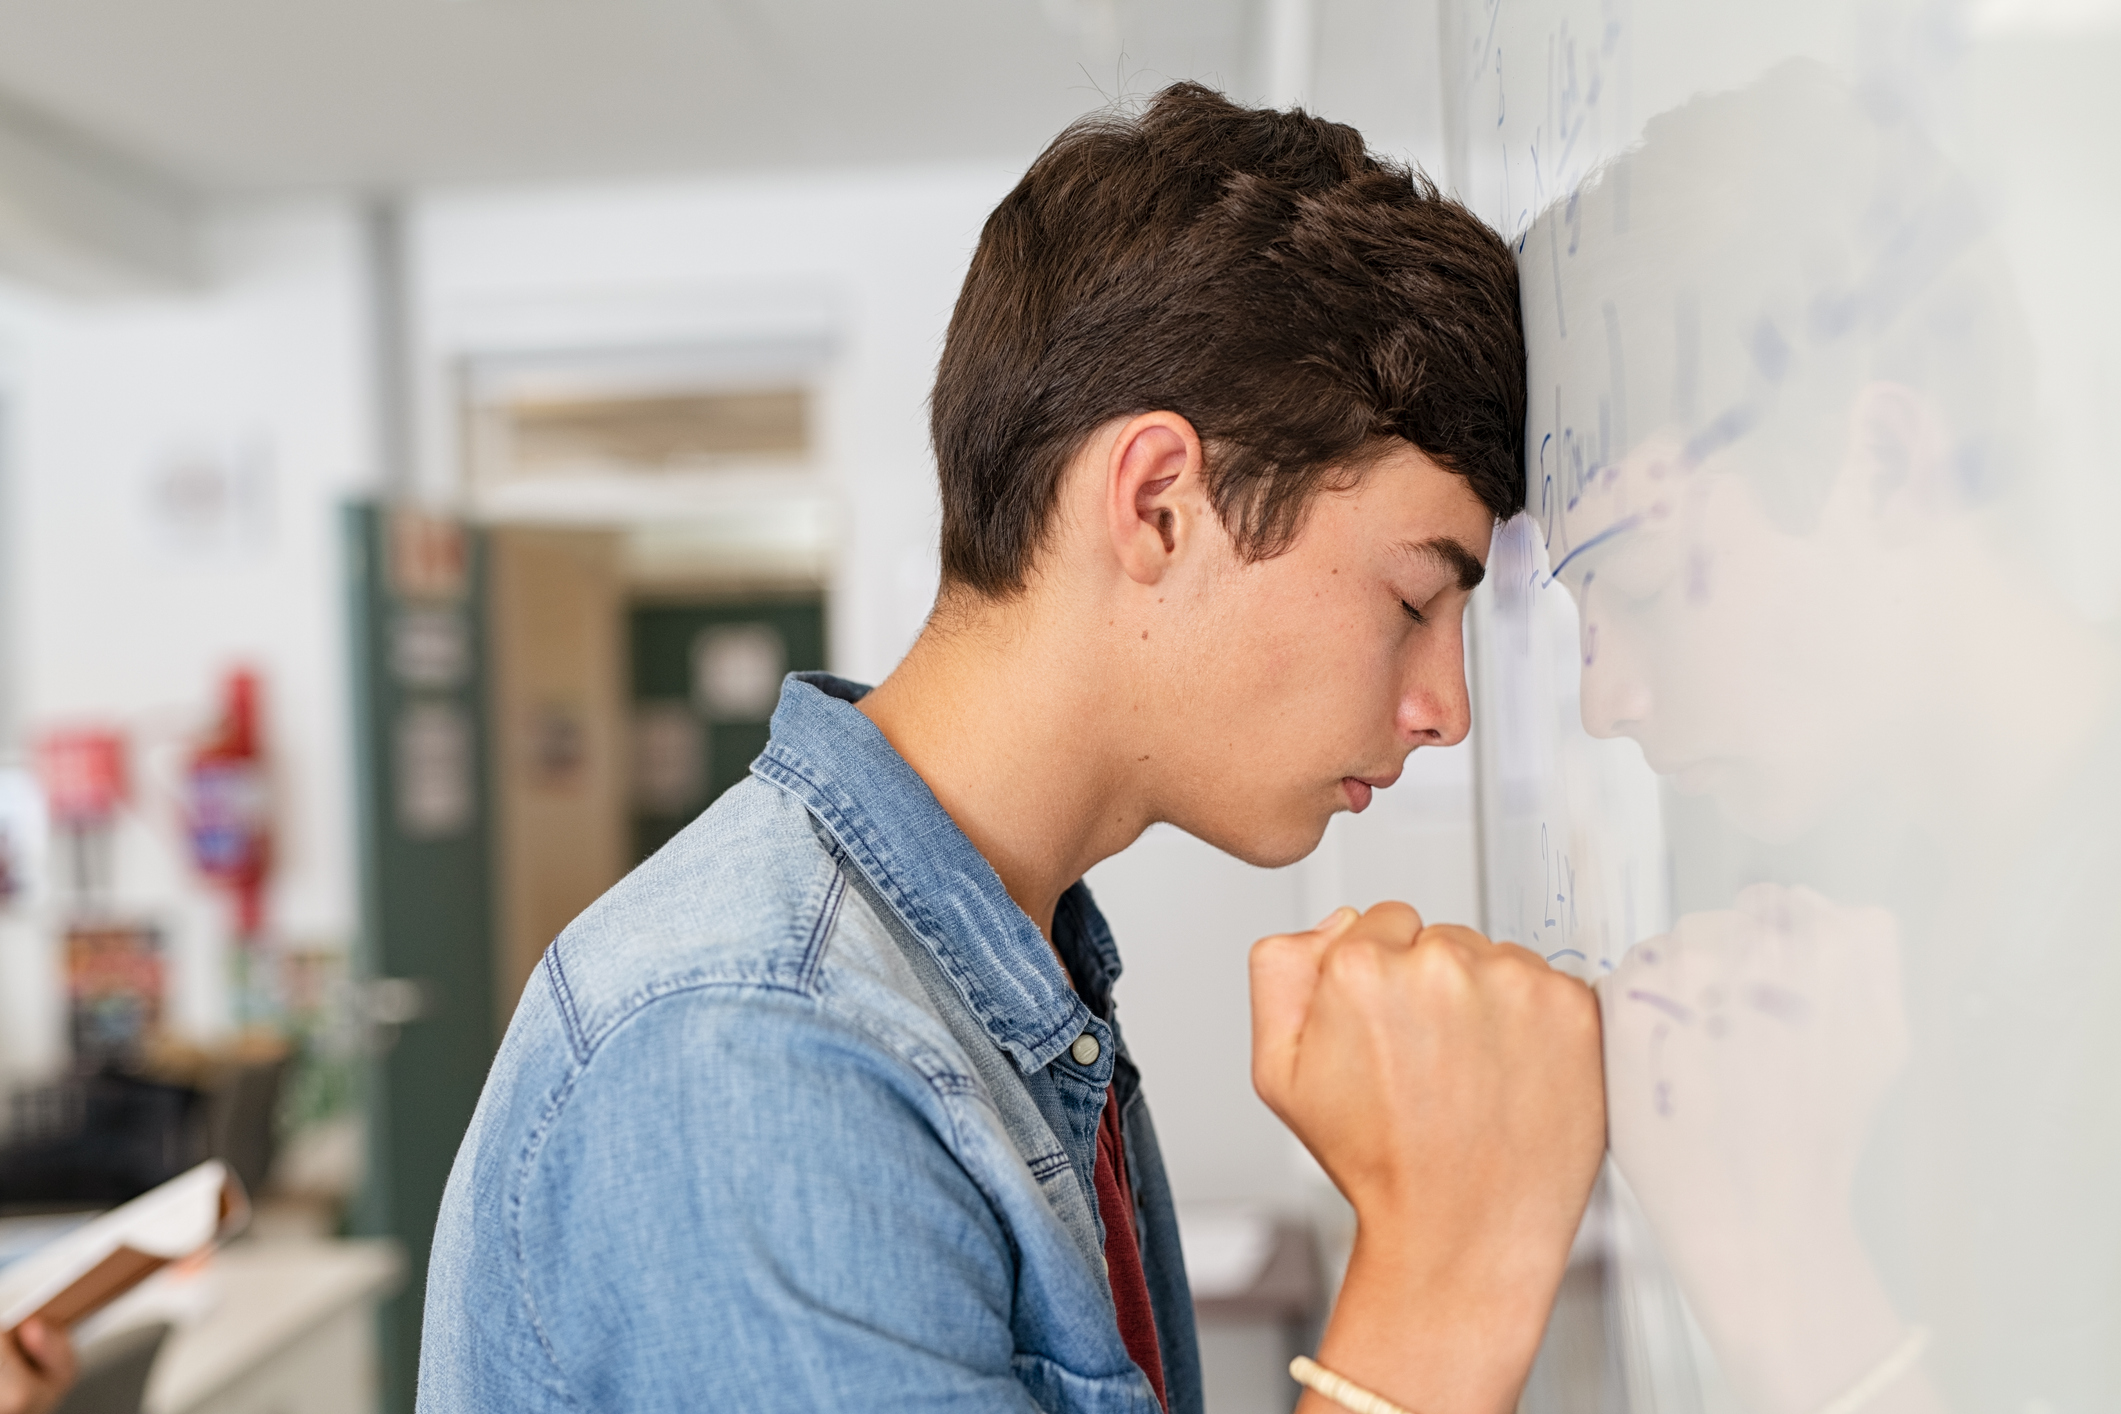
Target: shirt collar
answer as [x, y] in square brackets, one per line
[834, 760]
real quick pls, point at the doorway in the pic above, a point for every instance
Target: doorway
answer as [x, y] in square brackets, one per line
[705, 678]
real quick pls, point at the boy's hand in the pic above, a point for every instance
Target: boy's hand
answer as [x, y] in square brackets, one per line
[36, 1368]
[1452, 1088]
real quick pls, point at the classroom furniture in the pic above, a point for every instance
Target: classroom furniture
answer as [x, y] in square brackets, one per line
[292, 1331]
[1249, 1334]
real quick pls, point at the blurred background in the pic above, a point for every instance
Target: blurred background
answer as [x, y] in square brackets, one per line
[428, 431]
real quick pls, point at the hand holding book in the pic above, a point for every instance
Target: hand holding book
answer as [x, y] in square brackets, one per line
[92, 1266]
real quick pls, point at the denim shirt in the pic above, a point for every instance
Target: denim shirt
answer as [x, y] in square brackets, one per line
[794, 1118]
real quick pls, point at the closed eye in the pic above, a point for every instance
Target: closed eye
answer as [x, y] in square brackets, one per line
[1413, 613]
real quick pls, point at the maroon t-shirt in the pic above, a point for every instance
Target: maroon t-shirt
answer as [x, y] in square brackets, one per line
[1123, 1254]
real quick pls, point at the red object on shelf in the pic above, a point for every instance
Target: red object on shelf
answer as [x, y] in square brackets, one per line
[228, 804]
[83, 771]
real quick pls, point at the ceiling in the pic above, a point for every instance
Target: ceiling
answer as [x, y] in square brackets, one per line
[235, 96]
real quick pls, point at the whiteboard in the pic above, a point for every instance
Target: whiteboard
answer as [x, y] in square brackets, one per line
[1796, 685]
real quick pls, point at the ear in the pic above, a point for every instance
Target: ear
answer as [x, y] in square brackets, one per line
[1155, 493]
[1897, 473]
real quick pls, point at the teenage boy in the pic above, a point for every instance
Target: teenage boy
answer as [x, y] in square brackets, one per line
[825, 1107]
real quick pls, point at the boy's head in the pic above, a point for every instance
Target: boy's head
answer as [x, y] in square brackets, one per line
[1302, 303]
[1271, 389]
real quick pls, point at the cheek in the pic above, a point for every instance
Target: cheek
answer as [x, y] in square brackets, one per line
[1297, 666]
[1355, 648]
[1275, 623]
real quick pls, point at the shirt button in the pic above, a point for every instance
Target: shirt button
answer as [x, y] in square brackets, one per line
[1085, 1049]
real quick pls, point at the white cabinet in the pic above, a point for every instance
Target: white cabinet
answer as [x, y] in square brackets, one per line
[292, 1330]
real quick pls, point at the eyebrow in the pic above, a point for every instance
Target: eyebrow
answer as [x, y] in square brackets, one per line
[1449, 553]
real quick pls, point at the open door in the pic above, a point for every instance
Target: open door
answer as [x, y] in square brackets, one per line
[557, 624]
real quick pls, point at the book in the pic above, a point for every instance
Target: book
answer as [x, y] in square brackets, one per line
[80, 1273]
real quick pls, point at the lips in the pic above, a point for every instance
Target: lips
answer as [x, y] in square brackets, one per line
[1358, 789]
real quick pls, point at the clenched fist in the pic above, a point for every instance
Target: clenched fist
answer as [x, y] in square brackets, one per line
[1452, 1089]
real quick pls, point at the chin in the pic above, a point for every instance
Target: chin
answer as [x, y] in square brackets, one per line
[1276, 846]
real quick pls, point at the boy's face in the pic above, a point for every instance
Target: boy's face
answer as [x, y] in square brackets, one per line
[1307, 678]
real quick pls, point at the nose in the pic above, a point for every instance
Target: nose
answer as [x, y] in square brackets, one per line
[1434, 709]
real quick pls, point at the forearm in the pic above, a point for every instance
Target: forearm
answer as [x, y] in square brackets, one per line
[1434, 1337]
[1452, 1088]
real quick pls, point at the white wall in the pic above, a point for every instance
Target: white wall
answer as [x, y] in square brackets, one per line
[120, 615]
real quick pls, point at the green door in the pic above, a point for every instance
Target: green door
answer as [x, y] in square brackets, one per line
[705, 678]
[427, 937]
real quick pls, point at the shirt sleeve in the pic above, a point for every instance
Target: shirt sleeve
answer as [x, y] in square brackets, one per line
[745, 1204]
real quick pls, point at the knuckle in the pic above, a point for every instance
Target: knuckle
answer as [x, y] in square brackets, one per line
[1393, 914]
[1270, 951]
[1354, 962]
[1515, 972]
[1438, 965]
[1455, 934]
[1517, 954]
[1389, 922]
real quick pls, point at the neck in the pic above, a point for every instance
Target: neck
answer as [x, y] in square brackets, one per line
[1002, 713]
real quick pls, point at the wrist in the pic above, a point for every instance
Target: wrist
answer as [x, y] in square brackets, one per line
[1436, 1327]
[1479, 1262]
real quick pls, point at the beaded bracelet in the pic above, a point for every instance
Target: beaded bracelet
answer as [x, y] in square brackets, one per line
[1346, 1393]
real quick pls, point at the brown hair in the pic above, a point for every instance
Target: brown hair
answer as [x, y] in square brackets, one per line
[1257, 272]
